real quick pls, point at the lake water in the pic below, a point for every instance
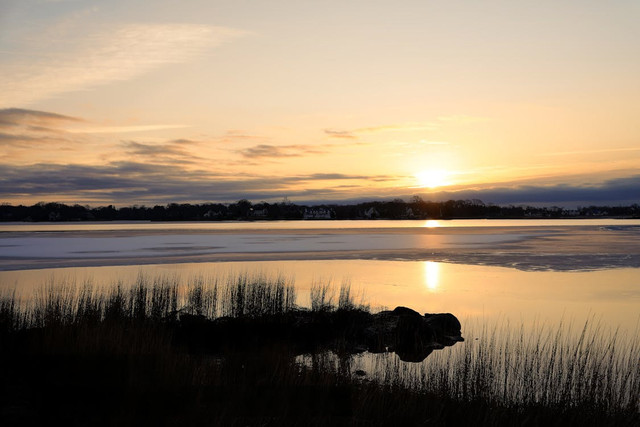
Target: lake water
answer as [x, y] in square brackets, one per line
[518, 271]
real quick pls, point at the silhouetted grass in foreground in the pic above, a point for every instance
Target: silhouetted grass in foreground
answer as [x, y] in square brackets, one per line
[82, 355]
[551, 367]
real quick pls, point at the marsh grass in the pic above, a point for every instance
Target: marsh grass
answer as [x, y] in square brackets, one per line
[71, 341]
[322, 297]
[554, 367]
[160, 298]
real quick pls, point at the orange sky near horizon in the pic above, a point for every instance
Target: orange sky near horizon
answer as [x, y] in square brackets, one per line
[155, 102]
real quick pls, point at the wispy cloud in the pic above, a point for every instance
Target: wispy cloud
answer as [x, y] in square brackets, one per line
[333, 176]
[430, 125]
[425, 142]
[275, 151]
[79, 61]
[598, 151]
[171, 152]
[19, 117]
[237, 135]
[124, 129]
[404, 127]
[24, 129]
[133, 147]
[332, 133]
[28, 141]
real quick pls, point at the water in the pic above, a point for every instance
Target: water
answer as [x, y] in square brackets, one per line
[299, 225]
[521, 272]
[524, 244]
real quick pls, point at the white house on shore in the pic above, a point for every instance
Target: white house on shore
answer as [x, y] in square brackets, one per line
[317, 213]
[258, 213]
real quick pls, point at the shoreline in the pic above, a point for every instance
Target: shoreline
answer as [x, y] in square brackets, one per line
[311, 225]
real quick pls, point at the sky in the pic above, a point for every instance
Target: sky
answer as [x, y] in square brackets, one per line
[153, 102]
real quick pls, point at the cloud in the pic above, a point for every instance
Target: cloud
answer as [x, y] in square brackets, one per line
[171, 152]
[404, 127]
[184, 141]
[21, 128]
[345, 177]
[599, 151]
[618, 191]
[153, 150]
[237, 135]
[158, 180]
[137, 183]
[456, 120]
[425, 142]
[39, 120]
[334, 176]
[7, 139]
[340, 134]
[277, 151]
[82, 59]
[125, 129]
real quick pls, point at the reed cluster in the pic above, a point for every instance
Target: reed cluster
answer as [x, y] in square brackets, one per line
[322, 296]
[161, 298]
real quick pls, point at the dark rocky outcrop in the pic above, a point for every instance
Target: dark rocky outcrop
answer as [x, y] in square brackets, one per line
[403, 331]
[412, 336]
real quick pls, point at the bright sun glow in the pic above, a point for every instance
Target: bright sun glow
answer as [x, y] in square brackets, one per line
[432, 178]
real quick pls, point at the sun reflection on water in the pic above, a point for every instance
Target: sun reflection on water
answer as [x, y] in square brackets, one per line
[431, 275]
[432, 223]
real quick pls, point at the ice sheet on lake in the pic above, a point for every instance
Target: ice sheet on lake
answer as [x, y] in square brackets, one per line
[540, 248]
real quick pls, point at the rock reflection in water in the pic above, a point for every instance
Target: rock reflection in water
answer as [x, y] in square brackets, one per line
[411, 336]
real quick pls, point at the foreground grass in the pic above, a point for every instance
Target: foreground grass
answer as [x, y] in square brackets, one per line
[88, 356]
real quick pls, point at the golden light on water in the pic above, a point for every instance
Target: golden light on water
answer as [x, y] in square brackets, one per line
[432, 223]
[431, 275]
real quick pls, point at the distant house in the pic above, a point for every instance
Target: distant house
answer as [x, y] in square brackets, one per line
[317, 213]
[212, 214]
[371, 213]
[408, 213]
[258, 213]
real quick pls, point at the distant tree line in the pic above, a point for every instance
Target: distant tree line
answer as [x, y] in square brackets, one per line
[415, 208]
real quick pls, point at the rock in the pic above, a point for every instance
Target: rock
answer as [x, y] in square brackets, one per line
[446, 327]
[403, 331]
[412, 336]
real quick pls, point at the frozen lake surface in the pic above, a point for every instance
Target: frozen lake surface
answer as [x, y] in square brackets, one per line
[524, 244]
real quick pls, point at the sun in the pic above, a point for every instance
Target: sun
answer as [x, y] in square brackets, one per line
[432, 178]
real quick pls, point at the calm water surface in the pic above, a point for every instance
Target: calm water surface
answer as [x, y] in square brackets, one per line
[302, 225]
[515, 271]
